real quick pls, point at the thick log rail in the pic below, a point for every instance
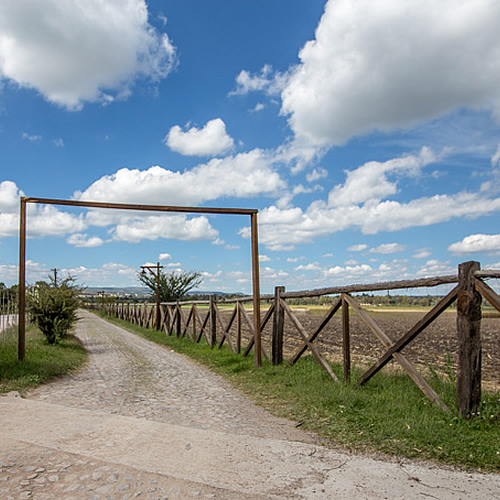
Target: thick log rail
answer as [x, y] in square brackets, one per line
[188, 319]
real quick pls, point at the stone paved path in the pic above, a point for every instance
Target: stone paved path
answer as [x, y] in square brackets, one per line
[128, 375]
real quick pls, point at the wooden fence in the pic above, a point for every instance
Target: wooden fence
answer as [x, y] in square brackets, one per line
[202, 319]
[8, 311]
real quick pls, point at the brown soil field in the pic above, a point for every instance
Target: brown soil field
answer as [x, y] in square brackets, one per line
[434, 349]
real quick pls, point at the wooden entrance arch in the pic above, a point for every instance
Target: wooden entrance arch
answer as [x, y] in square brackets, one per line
[148, 208]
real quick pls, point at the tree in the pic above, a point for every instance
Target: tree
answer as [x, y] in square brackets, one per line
[172, 285]
[53, 307]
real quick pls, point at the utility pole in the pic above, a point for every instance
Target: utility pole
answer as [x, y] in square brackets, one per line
[55, 276]
[157, 276]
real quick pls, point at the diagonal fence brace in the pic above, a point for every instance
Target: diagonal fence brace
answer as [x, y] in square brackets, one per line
[423, 323]
[400, 358]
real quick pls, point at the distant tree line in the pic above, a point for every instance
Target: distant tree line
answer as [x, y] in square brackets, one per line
[386, 300]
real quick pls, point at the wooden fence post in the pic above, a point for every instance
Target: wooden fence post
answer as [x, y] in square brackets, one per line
[346, 341]
[469, 341]
[213, 322]
[178, 323]
[278, 323]
[238, 326]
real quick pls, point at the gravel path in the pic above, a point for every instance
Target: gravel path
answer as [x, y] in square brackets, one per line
[128, 375]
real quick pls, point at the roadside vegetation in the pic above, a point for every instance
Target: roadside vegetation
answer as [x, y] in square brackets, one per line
[51, 350]
[389, 415]
[52, 306]
[43, 361]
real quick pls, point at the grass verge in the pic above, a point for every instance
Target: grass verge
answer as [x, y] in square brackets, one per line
[388, 415]
[42, 362]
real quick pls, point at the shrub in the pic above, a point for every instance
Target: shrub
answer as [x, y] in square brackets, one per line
[53, 307]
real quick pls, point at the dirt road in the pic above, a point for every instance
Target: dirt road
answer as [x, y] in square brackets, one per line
[143, 421]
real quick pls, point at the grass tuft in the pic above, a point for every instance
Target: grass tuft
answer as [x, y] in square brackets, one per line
[42, 362]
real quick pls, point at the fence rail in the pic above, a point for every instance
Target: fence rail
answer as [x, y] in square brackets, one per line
[203, 319]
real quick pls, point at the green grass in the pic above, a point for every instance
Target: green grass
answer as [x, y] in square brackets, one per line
[42, 361]
[388, 415]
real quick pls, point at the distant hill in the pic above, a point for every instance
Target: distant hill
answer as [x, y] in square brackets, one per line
[138, 291]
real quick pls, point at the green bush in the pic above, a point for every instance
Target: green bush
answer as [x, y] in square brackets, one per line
[53, 307]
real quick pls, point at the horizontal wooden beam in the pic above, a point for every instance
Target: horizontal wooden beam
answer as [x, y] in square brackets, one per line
[387, 285]
[140, 207]
[487, 273]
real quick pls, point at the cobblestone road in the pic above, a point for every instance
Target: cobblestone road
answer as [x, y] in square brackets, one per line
[131, 376]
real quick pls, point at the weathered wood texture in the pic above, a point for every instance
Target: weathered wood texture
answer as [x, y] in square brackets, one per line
[346, 340]
[387, 285]
[469, 341]
[278, 326]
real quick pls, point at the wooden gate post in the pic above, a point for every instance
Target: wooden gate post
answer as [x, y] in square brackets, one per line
[346, 340]
[213, 322]
[178, 322]
[278, 323]
[238, 326]
[469, 341]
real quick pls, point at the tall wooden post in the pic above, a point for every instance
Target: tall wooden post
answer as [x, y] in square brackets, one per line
[21, 325]
[157, 325]
[346, 340]
[278, 323]
[256, 289]
[178, 323]
[213, 322]
[469, 341]
[238, 326]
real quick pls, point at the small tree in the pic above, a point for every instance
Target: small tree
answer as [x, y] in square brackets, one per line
[173, 285]
[53, 307]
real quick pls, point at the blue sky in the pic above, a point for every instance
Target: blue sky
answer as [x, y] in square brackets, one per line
[367, 133]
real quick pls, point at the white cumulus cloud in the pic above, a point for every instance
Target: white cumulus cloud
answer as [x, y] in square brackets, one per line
[384, 64]
[272, 83]
[476, 243]
[358, 248]
[211, 140]
[180, 227]
[361, 203]
[495, 159]
[243, 175]
[74, 52]
[422, 253]
[84, 241]
[371, 182]
[388, 248]
[42, 220]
